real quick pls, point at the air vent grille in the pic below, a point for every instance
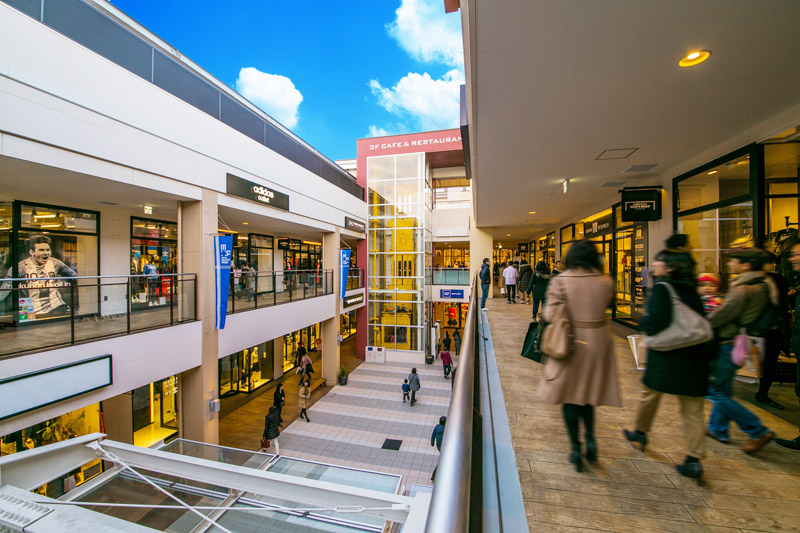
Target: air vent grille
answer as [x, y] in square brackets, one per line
[641, 168]
[610, 184]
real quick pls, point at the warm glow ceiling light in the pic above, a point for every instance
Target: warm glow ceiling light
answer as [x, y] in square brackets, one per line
[245, 223]
[565, 185]
[50, 225]
[508, 235]
[694, 58]
[531, 212]
[712, 172]
[46, 215]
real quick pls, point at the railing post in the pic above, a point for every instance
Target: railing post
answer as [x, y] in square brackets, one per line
[173, 281]
[255, 291]
[128, 305]
[274, 288]
[72, 310]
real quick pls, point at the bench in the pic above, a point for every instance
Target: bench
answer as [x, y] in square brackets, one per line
[319, 382]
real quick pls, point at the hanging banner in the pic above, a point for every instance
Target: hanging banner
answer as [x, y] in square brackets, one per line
[223, 252]
[344, 268]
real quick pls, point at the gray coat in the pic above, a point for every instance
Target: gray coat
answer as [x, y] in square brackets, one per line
[413, 381]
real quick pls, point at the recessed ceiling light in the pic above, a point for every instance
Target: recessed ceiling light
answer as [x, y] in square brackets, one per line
[508, 235]
[245, 223]
[712, 172]
[694, 57]
[531, 212]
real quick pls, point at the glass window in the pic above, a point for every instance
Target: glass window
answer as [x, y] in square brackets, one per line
[154, 229]
[713, 232]
[53, 218]
[723, 182]
[155, 412]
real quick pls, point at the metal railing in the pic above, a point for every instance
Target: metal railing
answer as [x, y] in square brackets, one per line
[355, 278]
[451, 276]
[45, 313]
[477, 484]
[255, 290]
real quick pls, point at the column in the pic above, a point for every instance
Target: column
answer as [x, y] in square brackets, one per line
[480, 246]
[331, 244]
[197, 225]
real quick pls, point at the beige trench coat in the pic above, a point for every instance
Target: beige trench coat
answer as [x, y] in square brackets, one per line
[305, 395]
[589, 374]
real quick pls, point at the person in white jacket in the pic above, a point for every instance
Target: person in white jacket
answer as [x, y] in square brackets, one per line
[510, 276]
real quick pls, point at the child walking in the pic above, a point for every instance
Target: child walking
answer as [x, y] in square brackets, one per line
[406, 389]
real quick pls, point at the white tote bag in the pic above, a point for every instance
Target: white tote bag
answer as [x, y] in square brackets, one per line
[687, 327]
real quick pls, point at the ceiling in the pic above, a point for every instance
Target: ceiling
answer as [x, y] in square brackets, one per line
[552, 84]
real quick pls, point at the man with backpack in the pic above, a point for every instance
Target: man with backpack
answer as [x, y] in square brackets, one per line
[751, 302]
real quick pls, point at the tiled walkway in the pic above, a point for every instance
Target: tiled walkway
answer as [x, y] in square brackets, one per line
[350, 423]
[630, 490]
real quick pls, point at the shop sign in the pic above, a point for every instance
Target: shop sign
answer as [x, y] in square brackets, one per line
[601, 226]
[256, 192]
[641, 205]
[355, 299]
[451, 293]
[355, 225]
[53, 385]
[522, 247]
[283, 244]
[223, 253]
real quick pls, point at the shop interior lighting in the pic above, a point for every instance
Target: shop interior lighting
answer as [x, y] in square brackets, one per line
[312, 242]
[694, 57]
[46, 215]
[242, 237]
[50, 225]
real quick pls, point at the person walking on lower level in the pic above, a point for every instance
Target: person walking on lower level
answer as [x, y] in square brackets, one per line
[681, 372]
[447, 363]
[486, 281]
[305, 396]
[406, 390]
[510, 277]
[794, 260]
[745, 302]
[436, 440]
[457, 341]
[413, 383]
[537, 286]
[279, 400]
[271, 431]
[446, 341]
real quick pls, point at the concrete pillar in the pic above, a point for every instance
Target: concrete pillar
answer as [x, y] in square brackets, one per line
[480, 246]
[197, 224]
[331, 244]
[118, 418]
[277, 358]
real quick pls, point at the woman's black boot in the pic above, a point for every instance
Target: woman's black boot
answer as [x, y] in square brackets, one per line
[587, 413]
[575, 457]
[636, 436]
[572, 421]
[690, 468]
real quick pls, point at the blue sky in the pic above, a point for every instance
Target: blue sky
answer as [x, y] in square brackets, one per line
[332, 72]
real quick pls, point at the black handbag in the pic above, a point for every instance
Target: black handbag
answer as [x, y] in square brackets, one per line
[532, 346]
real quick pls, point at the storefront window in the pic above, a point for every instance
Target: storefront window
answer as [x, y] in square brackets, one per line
[154, 251]
[73, 424]
[631, 256]
[347, 326]
[247, 370]
[781, 162]
[291, 342]
[725, 181]
[155, 412]
[59, 243]
[713, 232]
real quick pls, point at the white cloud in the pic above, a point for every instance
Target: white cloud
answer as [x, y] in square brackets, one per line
[273, 93]
[433, 103]
[427, 33]
[375, 131]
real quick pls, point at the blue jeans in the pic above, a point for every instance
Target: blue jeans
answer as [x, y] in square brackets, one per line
[485, 287]
[725, 407]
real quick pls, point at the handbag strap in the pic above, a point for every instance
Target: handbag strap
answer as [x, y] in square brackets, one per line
[672, 294]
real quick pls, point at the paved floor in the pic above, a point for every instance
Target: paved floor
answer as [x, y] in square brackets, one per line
[630, 490]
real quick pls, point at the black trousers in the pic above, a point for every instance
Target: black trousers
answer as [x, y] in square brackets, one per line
[773, 340]
[511, 292]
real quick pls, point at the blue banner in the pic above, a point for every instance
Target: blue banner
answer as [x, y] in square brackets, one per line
[223, 252]
[344, 269]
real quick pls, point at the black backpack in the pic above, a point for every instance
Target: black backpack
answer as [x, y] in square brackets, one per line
[767, 320]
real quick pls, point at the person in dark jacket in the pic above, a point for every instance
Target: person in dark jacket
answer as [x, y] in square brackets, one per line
[436, 440]
[794, 261]
[775, 338]
[271, 431]
[682, 372]
[278, 400]
[457, 341]
[537, 286]
[525, 273]
[446, 341]
[486, 281]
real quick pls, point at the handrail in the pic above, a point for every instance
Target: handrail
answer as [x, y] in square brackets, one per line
[450, 503]
[104, 277]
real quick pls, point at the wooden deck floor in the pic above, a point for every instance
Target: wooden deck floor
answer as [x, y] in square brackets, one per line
[630, 490]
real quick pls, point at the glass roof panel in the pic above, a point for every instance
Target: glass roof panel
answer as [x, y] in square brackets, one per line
[220, 454]
[350, 477]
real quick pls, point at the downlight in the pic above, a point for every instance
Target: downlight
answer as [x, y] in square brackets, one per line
[694, 58]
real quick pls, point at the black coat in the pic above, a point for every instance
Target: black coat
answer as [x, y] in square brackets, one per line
[682, 372]
[278, 397]
[525, 272]
[538, 285]
[271, 430]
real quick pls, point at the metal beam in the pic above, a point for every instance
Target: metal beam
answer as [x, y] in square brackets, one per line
[281, 486]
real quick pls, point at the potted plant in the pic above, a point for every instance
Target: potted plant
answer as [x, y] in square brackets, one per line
[342, 376]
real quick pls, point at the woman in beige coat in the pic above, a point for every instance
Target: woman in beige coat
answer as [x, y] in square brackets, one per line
[305, 395]
[588, 376]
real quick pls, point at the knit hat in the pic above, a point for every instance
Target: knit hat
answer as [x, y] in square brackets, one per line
[708, 276]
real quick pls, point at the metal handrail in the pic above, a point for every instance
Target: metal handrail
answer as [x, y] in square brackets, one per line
[450, 503]
[104, 277]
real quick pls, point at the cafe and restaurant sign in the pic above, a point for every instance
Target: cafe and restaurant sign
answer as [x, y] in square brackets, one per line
[597, 228]
[257, 193]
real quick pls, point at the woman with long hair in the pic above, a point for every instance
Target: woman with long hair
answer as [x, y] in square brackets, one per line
[279, 400]
[587, 377]
[682, 372]
[538, 285]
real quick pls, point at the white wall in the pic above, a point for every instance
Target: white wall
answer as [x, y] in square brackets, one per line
[136, 360]
[451, 224]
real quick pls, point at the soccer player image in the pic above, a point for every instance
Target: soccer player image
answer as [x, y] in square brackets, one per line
[44, 293]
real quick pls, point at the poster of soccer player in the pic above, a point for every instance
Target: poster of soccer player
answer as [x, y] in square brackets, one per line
[47, 293]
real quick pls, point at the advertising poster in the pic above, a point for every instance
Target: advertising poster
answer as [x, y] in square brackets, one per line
[47, 292]
[344, 269]
[223, 253]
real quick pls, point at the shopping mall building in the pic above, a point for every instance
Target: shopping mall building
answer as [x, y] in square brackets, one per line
[121, 162]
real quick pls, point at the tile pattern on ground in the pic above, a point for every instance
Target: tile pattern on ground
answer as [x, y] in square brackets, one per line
[630, 490]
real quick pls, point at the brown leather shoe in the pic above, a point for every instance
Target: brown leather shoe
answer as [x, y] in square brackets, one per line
[753, 445]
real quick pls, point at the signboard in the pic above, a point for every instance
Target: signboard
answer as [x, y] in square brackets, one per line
[522, 247]
[451, 293]
[344, 268]
[355, 299]
[283, 244]
[256, 192]
[355, 225]
[601, 226]
[223, 253]
[641, 205]
[53, 385]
